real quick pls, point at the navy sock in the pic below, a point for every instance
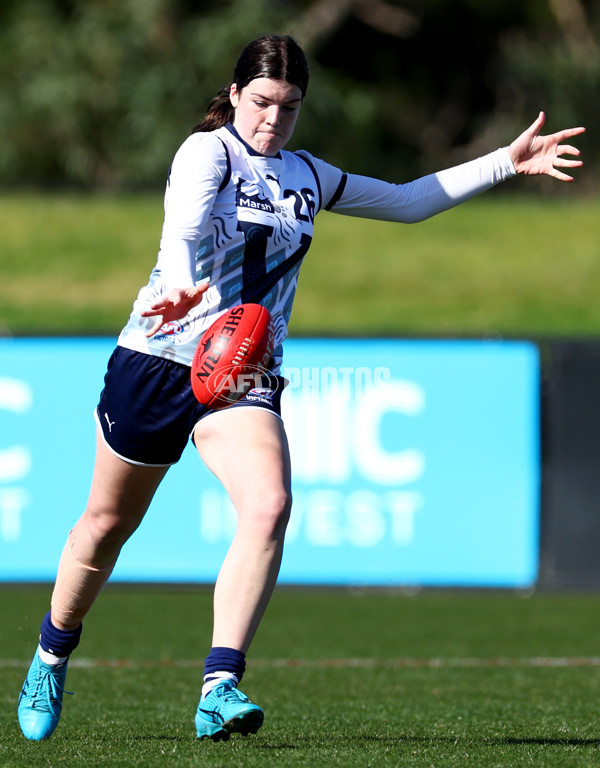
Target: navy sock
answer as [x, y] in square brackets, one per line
[222, 659]
[59, 642]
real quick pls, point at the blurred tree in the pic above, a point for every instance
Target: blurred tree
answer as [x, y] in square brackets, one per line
[99, 93]
[448, 79]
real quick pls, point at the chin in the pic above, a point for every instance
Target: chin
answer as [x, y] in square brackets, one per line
[270, 148]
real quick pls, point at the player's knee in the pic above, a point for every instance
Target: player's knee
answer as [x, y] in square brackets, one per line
[270, 516]
[107, 527]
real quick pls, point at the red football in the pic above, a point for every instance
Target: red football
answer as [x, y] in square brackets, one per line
[231, 353]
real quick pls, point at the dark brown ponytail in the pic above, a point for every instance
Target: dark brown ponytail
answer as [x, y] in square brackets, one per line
[274, 56]
[218, 113]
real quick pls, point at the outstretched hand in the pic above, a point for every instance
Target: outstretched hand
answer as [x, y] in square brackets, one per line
[534, 155]
[174, 305]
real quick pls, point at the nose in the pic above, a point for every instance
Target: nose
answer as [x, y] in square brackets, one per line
[274, 115]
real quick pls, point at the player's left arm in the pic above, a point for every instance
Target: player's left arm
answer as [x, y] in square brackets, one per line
[535, 155]
[418, 200]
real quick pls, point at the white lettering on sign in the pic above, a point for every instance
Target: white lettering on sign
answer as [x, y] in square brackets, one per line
[373, 461]
[347, 483]
[325, 517]
[363, 518]
[331, 435]
[15, 461]
[16, 396]
[12, 503]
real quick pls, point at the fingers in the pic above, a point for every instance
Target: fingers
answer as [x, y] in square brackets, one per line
[560, 175]
[175, 305]
[534, 154]
[559, 136]
[566, 149]
[157, 326]
[568, 133]
[201, 289]
[538, 123]
[562, 162]
[535, 127]
[156, 309]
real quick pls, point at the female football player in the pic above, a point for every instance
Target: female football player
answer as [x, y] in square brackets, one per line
[239, 213]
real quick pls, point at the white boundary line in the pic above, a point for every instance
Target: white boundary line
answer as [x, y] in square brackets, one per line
[354, 663]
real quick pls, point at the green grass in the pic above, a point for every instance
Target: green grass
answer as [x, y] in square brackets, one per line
[74, 264]
[489, 679]
[498, 265]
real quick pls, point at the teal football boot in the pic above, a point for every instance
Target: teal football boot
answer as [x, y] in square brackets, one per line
[40, 702]
[224, 711]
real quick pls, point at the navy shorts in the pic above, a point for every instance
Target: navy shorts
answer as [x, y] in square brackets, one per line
[147, 410]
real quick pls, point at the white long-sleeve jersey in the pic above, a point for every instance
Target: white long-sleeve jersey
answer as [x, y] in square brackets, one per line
[244, 222]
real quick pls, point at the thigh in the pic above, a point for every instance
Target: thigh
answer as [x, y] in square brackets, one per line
[247, 449]
[119, 487]
[119, 497]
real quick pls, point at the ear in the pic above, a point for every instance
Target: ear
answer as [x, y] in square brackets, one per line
[234, 96]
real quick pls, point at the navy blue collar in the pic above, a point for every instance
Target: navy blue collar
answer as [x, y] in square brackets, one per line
[249, 149]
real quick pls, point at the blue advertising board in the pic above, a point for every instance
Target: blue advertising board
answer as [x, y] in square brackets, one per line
[414, 463]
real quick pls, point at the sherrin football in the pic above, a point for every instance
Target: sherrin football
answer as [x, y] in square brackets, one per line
[231, 354]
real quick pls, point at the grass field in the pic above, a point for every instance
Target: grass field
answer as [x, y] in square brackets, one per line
[498, 265]
[352, 679]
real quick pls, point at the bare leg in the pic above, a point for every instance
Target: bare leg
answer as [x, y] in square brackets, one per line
[247, 450]
[119, 497]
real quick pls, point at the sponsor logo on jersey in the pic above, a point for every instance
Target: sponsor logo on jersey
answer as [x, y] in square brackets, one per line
[261, 392]
[172, 328]
[253, 201]
[169, 332]
[260, 395]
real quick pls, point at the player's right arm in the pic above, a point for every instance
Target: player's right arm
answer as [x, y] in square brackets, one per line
[192, 186]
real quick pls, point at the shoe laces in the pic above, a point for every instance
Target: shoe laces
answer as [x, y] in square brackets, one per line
[229, 694]
[232, 694]
[47, 690]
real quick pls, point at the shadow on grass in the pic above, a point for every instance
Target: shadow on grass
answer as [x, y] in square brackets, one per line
[499, 740]
[547, 741]
[302, 741]
[251, 742]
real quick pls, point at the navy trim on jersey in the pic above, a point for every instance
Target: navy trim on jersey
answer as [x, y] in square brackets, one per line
[317, 180]
[227, 175]
[249, 149]
[255, 291]
[338, 192]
